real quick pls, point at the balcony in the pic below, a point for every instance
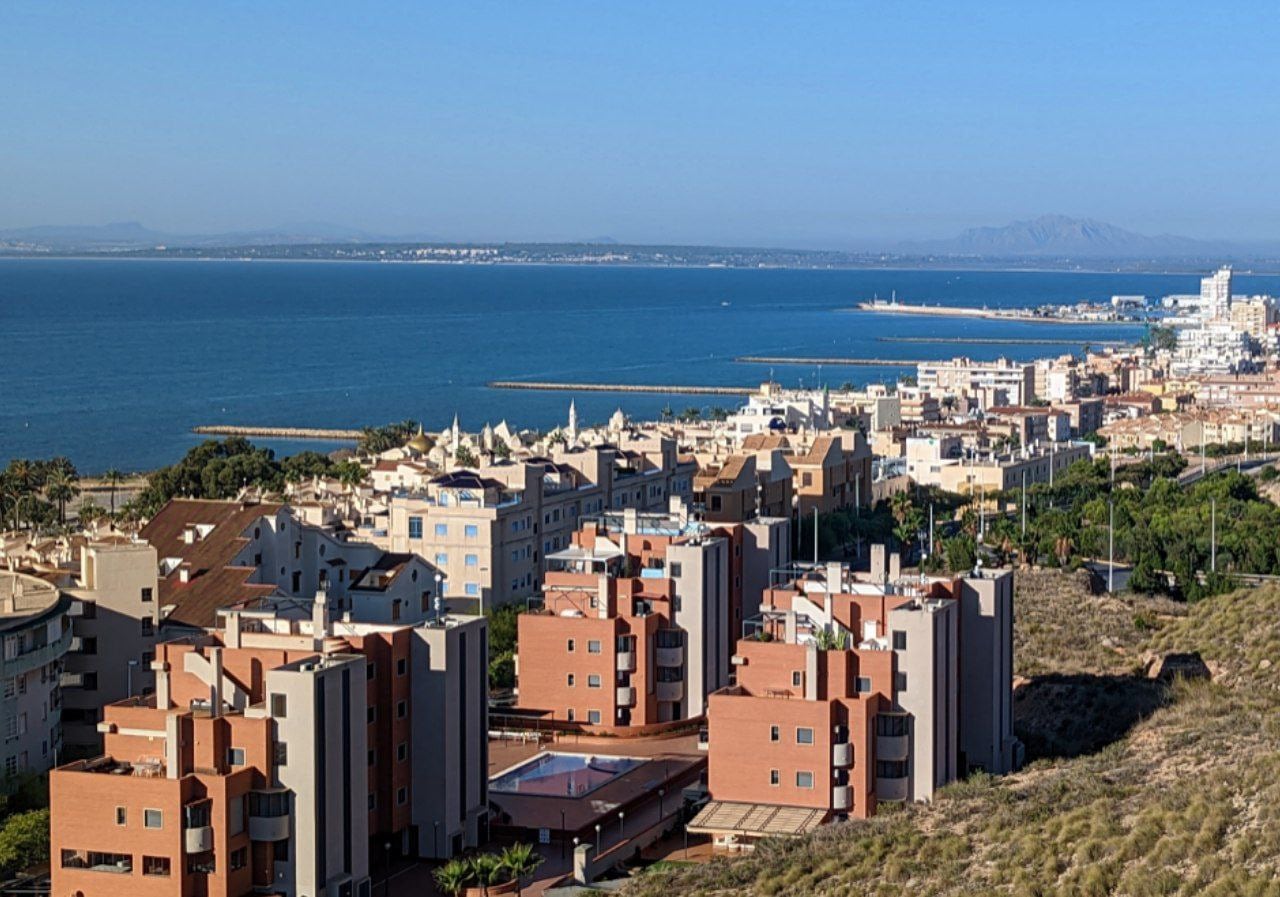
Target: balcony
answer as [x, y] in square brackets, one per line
[626, 662]
[198, 839]
[842, 755]
[669, 657]
[841, 798]
[269, 815]
[626, 696]
[669, 691]
[892, 747]
[892, 788]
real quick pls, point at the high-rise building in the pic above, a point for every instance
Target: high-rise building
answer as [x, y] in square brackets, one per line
[1215, 295]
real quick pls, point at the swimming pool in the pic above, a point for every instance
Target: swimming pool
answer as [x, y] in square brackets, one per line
[552, 774]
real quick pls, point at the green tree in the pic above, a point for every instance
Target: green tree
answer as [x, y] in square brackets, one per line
[61, 486]
[24, 841]
[305, 466]
[350, 473]
[487, 870]
[464, 457]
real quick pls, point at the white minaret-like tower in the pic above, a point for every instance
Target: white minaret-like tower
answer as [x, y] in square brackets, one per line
[572, 431]
[456, 432]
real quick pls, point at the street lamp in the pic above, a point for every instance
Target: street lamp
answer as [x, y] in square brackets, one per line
[597, 839]
[132, 664]
[621, 818]
[386, 880]
[435, 837]
[661, 811]
[562, 834]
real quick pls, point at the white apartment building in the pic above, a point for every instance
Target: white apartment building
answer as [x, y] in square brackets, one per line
[36, 634]
[985, 381]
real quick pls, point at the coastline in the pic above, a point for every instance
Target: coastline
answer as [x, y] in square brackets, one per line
[1019, 317]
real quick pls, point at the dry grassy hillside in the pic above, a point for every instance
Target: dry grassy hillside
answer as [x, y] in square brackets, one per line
[1138, 788]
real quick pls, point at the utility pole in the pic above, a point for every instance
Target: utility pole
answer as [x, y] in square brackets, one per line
[1111, 546]
[815, 535]
[930, 528]
[1202, 451]
[1024, 503]
[1053, 453]
[1213, 535]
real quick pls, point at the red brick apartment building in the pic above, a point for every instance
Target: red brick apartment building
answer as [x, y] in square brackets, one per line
[272, 751]
[854, 689]
[639, 616]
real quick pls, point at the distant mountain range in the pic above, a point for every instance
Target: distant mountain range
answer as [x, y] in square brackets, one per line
[1058, 236]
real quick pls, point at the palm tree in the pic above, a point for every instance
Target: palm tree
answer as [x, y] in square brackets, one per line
[453, 876]
[113, 477]
[521, 860]
[487, 870]
[60, 488]
[351, 473]
[90, 511]
[1063, 547]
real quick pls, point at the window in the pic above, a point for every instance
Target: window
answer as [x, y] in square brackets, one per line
[674, 569]
[570, 646]
[402, 709]
[146, 596]
[441, 559]
[593, 681]
[146, 626]
[239, 858]
[155, 866]
[774, 734]
[373, 801]
[891, 724]
[402, 796]
[402, 666]
[471, 530]
[864, 685]
[280, 852]
[471, 560]
[371, 714]
[371, 670]
[235, 756]
[775, 777]
[593, 717]
[152, 819]
[593, 647]
[900, 681]
[804, 736]
[415, 527]
[122, 816]
[280, 753]
[569, 715]
[202, 863]
[472, 589]
[899, 641]
[402, 751]
[97, 860]
[804, 780]
[280, 706]
[796, 678]
[891, 769]
[570, 680]
[442, 529]
[235, 815]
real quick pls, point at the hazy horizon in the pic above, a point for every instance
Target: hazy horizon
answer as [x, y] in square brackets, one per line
[823, 126]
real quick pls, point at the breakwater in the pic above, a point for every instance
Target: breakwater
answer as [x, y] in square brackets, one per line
[623, 387]
[857, 362]
[280, 432]
[1001, 341]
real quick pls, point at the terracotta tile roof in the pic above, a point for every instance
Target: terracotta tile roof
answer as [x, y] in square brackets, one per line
[818, 451]
[213, 581]
[764, 441]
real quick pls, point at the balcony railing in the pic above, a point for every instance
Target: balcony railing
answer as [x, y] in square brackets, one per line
[892, 747]
[626, 662]
[841, 798]
[842, 755]
[626, 696]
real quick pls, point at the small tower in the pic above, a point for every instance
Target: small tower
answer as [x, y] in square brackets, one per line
[456, 433]
[572, 431]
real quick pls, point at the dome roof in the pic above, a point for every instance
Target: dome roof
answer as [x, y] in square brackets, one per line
[421, 442]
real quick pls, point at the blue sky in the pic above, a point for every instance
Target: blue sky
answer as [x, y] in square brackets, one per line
[806, 124]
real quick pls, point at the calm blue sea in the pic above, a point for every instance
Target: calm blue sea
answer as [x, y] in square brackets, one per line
[113, 362]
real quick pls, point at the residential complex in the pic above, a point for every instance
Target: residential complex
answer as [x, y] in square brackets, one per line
[853, 690]
[638, 617]
[272, 750]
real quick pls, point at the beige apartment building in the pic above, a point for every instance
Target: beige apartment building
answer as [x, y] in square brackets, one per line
[997, 472]
[1000, 382]
[35, 633]
[115, 621]
[491, 530]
